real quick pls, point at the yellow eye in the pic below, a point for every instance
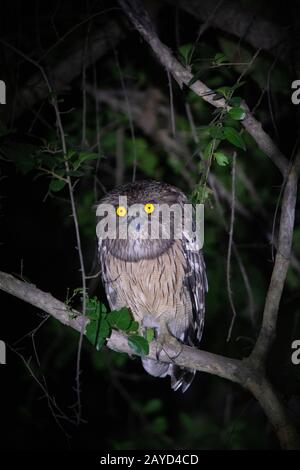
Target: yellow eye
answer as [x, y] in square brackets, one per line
[121, 211]
[149, 208]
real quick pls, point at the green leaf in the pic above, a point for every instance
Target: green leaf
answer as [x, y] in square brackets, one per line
[234, 137]
[149, 334]
[226, 91]
[120, 319]
[21, 153]
[94, 308]
[148, 160]
[216, 132]
[134, 326]
[98, 328]
[185, 52]
[97, 331]
[139, 344]
[220, 58]
[159, 425]
[235, 101]
[56, 185]
[200, 194]
[221, 159]
[71, 153]
[210, 149]
[153, 406]
[83, 157]
[237, 114]
[104, 328]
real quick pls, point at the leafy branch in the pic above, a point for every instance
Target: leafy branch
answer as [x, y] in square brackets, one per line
[102, 323]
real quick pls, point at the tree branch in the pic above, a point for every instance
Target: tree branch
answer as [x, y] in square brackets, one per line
[188, 357]
[282, 261]
[44, 301]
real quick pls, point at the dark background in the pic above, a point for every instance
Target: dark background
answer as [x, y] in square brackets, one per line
[123, 408]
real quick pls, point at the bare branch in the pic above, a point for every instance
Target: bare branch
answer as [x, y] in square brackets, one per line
[42, 300]
[282, 261]
[229, 249]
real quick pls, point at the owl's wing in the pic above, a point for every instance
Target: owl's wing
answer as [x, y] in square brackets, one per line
[196, 284]
[110, 290]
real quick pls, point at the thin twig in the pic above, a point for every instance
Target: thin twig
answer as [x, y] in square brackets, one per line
[229, 249]
[129, 114]
[173, 128]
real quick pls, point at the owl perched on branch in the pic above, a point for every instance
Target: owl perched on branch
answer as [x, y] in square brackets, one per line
[153, 264]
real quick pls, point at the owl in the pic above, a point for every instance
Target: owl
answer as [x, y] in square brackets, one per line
[160, 278]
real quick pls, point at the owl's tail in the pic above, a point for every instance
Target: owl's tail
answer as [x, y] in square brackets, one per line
[181, 379]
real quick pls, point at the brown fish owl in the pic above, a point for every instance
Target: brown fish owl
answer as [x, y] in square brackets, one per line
[162, 280]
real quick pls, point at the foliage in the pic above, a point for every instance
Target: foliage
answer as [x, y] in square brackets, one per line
[102, 323]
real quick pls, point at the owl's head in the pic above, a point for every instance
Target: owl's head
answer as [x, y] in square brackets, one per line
[135, 221]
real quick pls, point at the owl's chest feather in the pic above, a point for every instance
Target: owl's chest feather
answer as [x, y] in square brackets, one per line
[149, 286]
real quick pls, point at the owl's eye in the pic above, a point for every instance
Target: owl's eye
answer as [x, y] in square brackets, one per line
[121, 211]
[149, 208]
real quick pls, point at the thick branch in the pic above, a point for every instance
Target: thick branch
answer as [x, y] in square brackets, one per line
[142, 22]
[42, 300]
[275, 410]
[188, 357]
[282, 261]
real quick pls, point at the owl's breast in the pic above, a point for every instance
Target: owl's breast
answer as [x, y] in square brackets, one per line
[148, 286]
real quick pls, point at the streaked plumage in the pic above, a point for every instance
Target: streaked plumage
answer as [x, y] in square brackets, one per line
[161, 281]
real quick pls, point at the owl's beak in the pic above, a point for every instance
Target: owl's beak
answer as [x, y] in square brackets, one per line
[137, 225]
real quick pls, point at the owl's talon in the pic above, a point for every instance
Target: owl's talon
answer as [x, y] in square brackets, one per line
[164, 342]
